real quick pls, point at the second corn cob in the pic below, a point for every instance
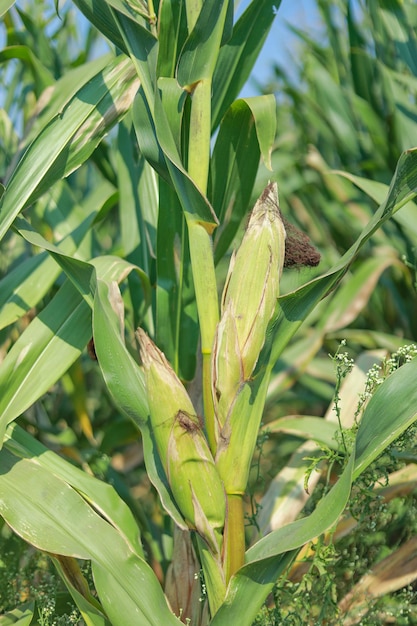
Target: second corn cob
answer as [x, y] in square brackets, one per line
[182, 446]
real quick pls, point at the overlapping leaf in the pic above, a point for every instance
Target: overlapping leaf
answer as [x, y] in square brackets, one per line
[70, 137]
[46, 511]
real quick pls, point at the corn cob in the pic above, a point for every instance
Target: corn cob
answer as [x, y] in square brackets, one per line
[182, 446]
[249, 299]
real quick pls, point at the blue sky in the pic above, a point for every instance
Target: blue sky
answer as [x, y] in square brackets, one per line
[280, 46]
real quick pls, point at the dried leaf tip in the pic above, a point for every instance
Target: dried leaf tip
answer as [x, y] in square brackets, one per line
[149, 353]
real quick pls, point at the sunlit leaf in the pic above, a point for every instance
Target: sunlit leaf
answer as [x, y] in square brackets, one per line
[70, 138]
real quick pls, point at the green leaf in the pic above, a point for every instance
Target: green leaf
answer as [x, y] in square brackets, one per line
[44, 351]
[50, 344]
[177, 329]
[5, 5]
[173, 101]
[43, 77]
[201, 49]
[392, 408]
[61, 93]
[88, 606]
[247, 593]
[308, 427]
[45, 511]
[172, 35]
[27, 283]
[374, 189]
[138, 201]
[70, 138]
[141, 44]
[138, 215]
[332, 105]
[352, 297]
[137, 601]
[79, 272]
[102, 497]
[145, 130]
[238, 56]
[400, 31]
[101, 16]
[20, 616]
[378, 191]
[363, 65]
[125, 382]
[404, 112]
[301, 531]
[123, 376]
[248, 127]
[159, 147]
[195, 205]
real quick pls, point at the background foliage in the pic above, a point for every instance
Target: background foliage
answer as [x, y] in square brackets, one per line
[351, 108]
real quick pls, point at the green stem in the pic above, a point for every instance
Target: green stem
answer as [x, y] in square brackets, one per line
[235, 536]
[200, 133]
[152, 18]
[201, 250]
[208, 312]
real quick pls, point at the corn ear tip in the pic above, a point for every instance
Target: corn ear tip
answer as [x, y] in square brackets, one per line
[149, 351]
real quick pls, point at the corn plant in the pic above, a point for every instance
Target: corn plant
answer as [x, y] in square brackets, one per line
[184, 352]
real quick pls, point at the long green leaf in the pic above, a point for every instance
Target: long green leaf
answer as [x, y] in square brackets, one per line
[145, 130]
[176, 315]
[5, 5]
[172, 34]
[99, 13]
[392, 408]
[27, 283]
[306, 426]
[141, 44]
[138, 214]
[400, 31]
[44, 351]
[301, 531]
[50, 344]
[89, 607]
[70, 138]
[354, 294]
[42, 75]
[79, 272]
[195, 205]
[247, 129]
[238, 56]
[378, 191]
[100, 495]
[20, 616]
[48, 513]
[199, 54]
[60, 94]
[125, 381]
